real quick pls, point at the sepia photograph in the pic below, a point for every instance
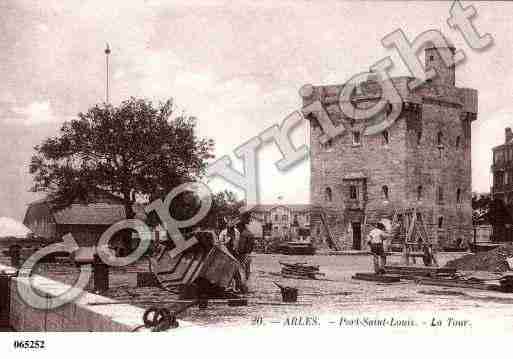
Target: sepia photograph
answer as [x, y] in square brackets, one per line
[180, 166]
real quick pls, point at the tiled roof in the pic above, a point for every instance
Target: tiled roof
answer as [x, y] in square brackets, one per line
[91, 213]
[101, 214]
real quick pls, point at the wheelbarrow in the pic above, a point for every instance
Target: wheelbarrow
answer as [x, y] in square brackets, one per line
[288, 294]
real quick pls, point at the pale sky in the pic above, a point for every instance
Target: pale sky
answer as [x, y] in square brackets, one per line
[236, 66]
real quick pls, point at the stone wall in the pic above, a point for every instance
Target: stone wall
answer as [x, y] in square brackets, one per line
[402, 165]
[447, 167]
[77, 316]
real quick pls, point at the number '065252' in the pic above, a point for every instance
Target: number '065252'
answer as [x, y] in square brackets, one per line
[29, 344]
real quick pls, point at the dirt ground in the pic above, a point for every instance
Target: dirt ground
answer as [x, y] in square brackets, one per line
[334, 294]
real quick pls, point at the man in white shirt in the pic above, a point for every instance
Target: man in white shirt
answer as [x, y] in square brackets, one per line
[375, 239]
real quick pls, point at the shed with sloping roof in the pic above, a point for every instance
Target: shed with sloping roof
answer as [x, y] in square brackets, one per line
[85, 221]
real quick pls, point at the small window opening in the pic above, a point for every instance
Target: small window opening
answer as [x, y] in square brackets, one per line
[385, 137]
[328, 195]
[385, 192]
[356, 138]
[353, 192]
[439, 138]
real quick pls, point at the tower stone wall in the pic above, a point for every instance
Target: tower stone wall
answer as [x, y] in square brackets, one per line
[422, 160]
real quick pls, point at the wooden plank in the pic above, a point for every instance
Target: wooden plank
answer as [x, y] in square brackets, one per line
[437, 270]
[458, 284]
[382, 278]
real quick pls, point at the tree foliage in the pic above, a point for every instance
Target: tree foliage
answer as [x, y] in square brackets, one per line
[224, 205]
[132, 150]
[492, 211]
[480, 208]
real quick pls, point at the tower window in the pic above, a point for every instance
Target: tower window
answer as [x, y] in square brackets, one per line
[419, 193]
[327, 145]
[440, 194]
[385, 192]
[385, 137]
[356, 138]
[328, 195]
[419, 137]
[353, 192]
[458, 195]
[440, 222]
[439, 138]
[388, 108]
[431, 58]
[458, 141]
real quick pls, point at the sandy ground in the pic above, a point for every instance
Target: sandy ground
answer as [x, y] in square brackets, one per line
[334, 295]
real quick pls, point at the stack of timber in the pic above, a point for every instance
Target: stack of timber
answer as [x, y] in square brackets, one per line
[297, 248]
[372, 277]
[412, 272]
[300, 271]
[502, 282]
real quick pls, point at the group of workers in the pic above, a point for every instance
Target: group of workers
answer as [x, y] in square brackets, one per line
[239, 241]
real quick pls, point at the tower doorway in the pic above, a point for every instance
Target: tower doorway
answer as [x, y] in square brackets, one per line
[357, 235]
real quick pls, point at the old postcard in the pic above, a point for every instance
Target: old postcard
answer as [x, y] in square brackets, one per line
[173, 166]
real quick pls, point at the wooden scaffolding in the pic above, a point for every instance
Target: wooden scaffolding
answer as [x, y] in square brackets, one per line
[409, 229]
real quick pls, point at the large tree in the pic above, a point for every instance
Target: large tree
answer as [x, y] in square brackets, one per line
[134, 150]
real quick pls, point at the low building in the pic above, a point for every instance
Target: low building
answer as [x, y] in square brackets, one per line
[283, 220]
[85, 221]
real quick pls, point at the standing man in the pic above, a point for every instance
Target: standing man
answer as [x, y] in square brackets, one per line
[246, 243]
[230, 236]
[375, 240]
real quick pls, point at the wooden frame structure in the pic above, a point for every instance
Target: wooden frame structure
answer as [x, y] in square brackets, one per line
[411, 230]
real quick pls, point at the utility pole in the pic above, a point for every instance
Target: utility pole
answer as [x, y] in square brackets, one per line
[107, 53]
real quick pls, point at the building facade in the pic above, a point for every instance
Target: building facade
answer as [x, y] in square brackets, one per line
[282, 220]
[502, 188]
[422, 161]
[502, 169]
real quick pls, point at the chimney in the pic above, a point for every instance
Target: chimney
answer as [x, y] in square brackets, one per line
[509, 134]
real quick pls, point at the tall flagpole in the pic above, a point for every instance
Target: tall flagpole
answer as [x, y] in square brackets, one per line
[107, 53]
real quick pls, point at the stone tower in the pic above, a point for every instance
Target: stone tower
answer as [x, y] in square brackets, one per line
[422, 160]
[439, 59]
